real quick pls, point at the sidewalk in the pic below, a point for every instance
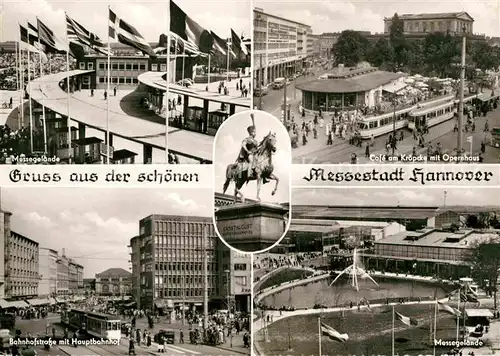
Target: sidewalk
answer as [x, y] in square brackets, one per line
[231, 85]
[237, 345]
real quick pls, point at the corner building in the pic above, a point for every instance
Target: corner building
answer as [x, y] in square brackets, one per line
[168, 262]
[281, 46]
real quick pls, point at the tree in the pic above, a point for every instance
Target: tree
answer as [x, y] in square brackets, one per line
[398, 41]
[381, 53]
[351, 48]
[477, 222]
[485, 265]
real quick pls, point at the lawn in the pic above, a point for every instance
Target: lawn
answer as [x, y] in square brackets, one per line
[369, 333]
[284, 276]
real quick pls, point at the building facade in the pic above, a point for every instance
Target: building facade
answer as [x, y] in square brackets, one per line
[280, 46]
[326, 43]
[236, 283]
[168, 261]
[113, 281]
[454, 23]
[48, 272]
[125, 70]
[4, 247]
[62, 283]
[21, 267]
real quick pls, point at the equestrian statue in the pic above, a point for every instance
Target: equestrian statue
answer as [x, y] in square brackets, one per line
[254, 162]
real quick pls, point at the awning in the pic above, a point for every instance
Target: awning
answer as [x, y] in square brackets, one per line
[481, 313]
[60, 300]
[5, 304]
[37, 302]
[131, 304]
[394, 88]
[19, 304]
[485, 97]
[52, 301]
[159, 304]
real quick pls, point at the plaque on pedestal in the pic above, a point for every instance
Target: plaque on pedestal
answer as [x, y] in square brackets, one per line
[251, 227]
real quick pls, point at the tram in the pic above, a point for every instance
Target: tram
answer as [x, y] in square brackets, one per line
[431, 116]
[98, 325]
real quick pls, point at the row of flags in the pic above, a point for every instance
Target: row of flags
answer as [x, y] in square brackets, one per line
[186, 36]
[334, 335]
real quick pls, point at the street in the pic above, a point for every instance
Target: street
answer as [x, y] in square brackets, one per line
[317, 151]
[42, 327]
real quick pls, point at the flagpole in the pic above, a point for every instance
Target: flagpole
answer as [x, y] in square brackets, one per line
[21, 88]
[108, 97]
[208, 69]
[458, 314]
[29, 99]
[68, 89]
[167, 88]
[42, 100]
[393, 322]
[435, 329]
[183, 63]
[228, 49]
[319, 335]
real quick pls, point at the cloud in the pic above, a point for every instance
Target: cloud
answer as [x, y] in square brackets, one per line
[95, 225]
[150, 18]
[394, 197]
[336, 15]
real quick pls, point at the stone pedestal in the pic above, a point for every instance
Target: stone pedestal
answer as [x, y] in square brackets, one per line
[252, 226]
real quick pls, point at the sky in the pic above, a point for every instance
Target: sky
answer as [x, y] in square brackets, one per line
[95, 225]
[148, 17]
[227, 145]
[365, 15]
[395, 197]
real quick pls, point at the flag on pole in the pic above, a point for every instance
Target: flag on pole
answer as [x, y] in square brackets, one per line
[468, 298]
[50, 40]
[77, 33]
[189, 30]
[237, 43]
[219, 44]
[25, 44]
[333, 334]
[34, 41]
[469, 139]
[447, 309]
[127, 34]
[184, 46]
[406, 319]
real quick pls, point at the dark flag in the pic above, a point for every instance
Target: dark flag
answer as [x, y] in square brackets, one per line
[406, 320]
[128, 35]
[219, 44]
[189, 30]
[25, 40]
[50, 40]
[78, 34]
[237, 43]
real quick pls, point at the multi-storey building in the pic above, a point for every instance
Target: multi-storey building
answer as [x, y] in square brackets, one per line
[48, 272]
[62, 283]
[236, 284]
[21, 267]
[4, 247]
[113, 281]
[454, 23]
[326, 42]
[280, 46]
[168, 261]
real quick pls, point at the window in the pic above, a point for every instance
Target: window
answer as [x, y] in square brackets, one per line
[135, 67]
[121, 80]
[114, 66]
[128, 66]
[240, 267]
[90, 65]
[154, 67]
[163, 67]
[128, 80]
[114, 80]
[121, 66]
[102, 66]
[82, 65]
[142, 67]
[135, 81]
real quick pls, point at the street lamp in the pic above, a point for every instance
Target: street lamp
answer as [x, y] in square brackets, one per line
[228, 272]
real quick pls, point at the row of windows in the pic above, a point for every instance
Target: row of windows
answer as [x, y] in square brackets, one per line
[212, 280]
[119, 80]
[179, 240]
[123, 66]
[184, 266]
[184, 228]
[180, 293]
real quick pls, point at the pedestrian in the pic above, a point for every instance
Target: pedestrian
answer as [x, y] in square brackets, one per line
[105, 95]
[114, 91]
[181, 336]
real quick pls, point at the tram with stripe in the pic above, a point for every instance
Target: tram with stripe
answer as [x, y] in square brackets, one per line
[98, 325]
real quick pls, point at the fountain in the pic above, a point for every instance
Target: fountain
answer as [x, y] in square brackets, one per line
[354, 271]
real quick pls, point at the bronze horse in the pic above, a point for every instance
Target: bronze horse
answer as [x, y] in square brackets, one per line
[262, 172]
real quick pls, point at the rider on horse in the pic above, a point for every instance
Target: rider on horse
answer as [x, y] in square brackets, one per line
[249, 147]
